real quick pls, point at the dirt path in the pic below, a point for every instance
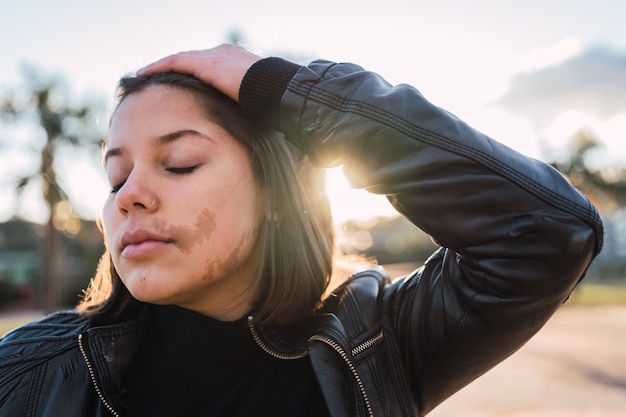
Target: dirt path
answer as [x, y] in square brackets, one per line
[574, 367]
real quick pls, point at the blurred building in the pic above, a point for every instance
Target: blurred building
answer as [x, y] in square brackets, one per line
[21, 263]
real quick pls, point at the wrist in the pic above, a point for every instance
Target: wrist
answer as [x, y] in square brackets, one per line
[262, 88]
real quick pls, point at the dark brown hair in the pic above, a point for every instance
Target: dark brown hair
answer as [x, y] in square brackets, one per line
[297, 236]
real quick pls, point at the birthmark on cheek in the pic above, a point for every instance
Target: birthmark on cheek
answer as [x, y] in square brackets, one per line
[224, 266]
[189, 236]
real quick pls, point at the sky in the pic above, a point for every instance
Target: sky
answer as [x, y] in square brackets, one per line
[530, 74]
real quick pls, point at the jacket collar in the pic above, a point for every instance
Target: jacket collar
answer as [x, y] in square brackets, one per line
[290, 342]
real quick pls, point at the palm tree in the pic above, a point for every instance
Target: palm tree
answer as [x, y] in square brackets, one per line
[43, 103]
[606, 188]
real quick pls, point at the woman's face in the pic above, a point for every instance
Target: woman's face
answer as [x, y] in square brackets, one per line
[184, 212]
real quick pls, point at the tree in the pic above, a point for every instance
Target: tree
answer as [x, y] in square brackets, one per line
[606, 188]
[44, 102]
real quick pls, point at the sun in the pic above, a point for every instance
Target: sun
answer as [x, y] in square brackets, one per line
[348, 203]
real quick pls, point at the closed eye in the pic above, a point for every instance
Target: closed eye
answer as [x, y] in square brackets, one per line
[117, 187]
[182, 170]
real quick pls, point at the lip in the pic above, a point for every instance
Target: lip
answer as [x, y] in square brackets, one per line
[141, 243]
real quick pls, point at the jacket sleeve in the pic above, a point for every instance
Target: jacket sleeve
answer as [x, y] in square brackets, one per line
[515, 236]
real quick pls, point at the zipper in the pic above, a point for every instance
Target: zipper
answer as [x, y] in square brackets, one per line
[337, 348]
[362, 347]
[93, 378]
[269, 350]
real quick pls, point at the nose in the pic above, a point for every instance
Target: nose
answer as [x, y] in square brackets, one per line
[135, 196]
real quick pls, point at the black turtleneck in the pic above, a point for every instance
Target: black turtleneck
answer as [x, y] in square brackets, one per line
[191, 365]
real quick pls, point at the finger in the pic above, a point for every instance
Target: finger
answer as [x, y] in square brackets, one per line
[180, 62]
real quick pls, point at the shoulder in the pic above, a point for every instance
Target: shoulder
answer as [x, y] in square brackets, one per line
[41, 358]
[371, 278]
[54, 325]
[359, 294]
[46, 337]
[367, 282]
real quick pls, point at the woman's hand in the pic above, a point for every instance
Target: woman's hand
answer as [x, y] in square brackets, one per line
[223, 67]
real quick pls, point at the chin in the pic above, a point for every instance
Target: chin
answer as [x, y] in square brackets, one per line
[147, 293]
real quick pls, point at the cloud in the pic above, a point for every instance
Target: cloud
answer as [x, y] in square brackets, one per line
[593, 81]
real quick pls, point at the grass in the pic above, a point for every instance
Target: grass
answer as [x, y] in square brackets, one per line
[599, 294]
[11, 322]
[585, 295]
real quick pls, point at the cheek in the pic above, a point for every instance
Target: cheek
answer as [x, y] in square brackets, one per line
[226, 264]
[192, 235]
[232, 259]
[218, 243]
[108, 220]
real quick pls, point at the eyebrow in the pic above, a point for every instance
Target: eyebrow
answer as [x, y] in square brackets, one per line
[159, 141]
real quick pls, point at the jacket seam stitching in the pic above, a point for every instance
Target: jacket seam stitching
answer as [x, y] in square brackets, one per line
[397, 123]
[380, 393]
[34, 393]
[308, 89]
[396, 369]
[446, 341]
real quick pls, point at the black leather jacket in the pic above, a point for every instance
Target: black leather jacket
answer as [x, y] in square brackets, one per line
[515, 239]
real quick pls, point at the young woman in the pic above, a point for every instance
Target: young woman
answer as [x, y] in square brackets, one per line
[211, 297]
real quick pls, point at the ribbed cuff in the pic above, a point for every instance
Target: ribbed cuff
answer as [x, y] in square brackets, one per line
[262, 89]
